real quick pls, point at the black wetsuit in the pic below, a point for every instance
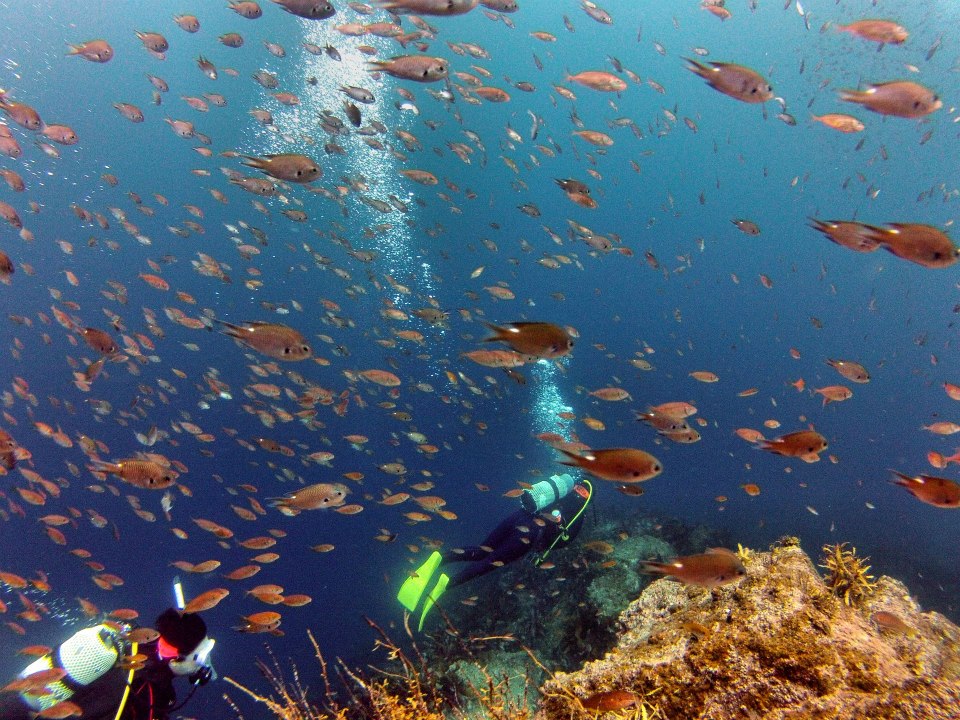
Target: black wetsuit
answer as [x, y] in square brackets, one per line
[151, 694]
[516, 536]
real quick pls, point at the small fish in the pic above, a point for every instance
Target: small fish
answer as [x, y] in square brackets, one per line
[292, 167]
[420, 68]
[879, 31]
[145, 474]
[620, 465]
[272, 339]
[901, 98]
[936, 491]
[313, 497]
[804, 444]
[711, 569]
[537, 339]
[93, 50]
[852, 371]
[736, 81]
[748, 227]
[840, 122]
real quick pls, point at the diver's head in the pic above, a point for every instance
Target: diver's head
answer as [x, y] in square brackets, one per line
[180, 633]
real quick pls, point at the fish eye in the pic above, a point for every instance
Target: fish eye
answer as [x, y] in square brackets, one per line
[753, 90]
[286, 351]
[917, 104]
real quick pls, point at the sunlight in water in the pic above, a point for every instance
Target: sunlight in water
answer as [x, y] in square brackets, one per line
[374, 175]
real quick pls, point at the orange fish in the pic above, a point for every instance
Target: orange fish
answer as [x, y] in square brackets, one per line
[804, 444]
[715, 567]
[851, 235]
[206, 600]
[99, 340]
[93, 50]
[852, 371]
[312, 497]
[271, 339]
[880, 31]
[834, 393]
[936, 491]
[611, 700]
[621, 465]
[900, 98]
[598, 80]
[145, 474]
[736, 81]
[921, 244]
[838, 121]
[537, 339]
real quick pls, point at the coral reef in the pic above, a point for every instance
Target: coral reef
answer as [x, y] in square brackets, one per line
[847, 574]
[779, 644]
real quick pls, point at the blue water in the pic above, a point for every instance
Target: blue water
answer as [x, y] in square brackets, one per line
[828, 302]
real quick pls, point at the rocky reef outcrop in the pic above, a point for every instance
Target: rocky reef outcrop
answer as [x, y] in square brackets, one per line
[778, 644]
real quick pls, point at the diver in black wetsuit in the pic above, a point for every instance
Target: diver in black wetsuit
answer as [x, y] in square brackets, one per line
[520, 533]
[551, 516]
[98, 679]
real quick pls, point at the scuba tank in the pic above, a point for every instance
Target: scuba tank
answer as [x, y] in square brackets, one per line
[85, 656]
[546, 492]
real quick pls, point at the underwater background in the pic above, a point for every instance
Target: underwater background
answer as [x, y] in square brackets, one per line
[679, 290]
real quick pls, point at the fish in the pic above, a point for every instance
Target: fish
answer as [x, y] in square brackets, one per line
[715, 567]
[309, 9]
[736, 81]
[280, 342]
[851, 235]
[292, 167]
[879, 31]
[145, 474]
[598, 80]
[833, 393]
[852, 371]
[536, 339]
[420, 68]
[429, 7]
[937, 491]
[839, 121]
[98, 51]
[246, 8]
[899, 98]
[620, 465]
[610, 701]
[921, 244]
[267, 621]
[804, 444]
[313, 497]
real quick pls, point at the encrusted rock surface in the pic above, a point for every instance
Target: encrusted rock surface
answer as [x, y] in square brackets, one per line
[776, 645]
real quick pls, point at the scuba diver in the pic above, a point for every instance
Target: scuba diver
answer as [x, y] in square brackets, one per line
[104, 673]
[551, 514]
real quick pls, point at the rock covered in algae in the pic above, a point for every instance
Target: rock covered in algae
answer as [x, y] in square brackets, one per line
[776, 645]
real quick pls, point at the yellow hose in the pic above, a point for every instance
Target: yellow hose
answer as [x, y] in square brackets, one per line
[126, 690]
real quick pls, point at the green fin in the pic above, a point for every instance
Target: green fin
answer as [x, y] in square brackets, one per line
[414, 586]
[434, 595]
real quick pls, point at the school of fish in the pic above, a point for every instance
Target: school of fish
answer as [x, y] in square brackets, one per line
[285, 288]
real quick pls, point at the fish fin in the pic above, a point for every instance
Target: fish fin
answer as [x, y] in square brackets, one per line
[656, 568]
[232, 330]
[698, 68]
[499, 333]
[854, 96]
[253, 162]
[904, 481]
